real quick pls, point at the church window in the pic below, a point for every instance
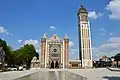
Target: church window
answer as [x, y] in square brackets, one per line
[82, 26]
[83, 33]
[55, 50]
[54, 55]
[88, 32]
[83, 43]
[87, 26]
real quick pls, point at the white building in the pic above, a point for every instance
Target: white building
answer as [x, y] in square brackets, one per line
[85, 50]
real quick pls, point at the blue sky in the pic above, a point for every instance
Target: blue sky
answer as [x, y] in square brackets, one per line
[25, 21]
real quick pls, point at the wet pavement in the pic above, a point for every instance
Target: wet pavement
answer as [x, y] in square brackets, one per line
[53, 75]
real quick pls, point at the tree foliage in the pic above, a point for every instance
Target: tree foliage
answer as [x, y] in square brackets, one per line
[27, 52]
[7, 50]
[19, 57]
[117, 57]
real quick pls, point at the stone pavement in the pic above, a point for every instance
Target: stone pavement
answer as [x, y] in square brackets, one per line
[97, 74]
[16, 74]
[53, 74]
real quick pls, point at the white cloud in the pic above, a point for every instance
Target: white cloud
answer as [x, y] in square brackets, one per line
[110, 48]
[94, 15]
[4, 31]
[114, 40]
[19, 41]
[103, 31]
[71, 44]
[9, 33]
[114, 8]
[38, 50]
[34, 42]
[110, 34]
[73, 51]
[37, 45]
[52, 27]
[97, 54]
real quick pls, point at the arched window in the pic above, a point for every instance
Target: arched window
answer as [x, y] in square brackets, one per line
[82, 26]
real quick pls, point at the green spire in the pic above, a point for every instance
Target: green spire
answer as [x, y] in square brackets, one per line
[66, 37]
[44, 36]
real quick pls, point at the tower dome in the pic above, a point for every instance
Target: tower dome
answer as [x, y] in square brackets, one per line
[44, 36]
[82, 10]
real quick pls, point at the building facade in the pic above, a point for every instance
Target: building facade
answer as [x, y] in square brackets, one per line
[35, 63]
[85, 51]
[74, 64]
[54, 52]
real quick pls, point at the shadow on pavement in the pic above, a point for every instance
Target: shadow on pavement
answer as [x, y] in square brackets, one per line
[114, 69]
[111, 77]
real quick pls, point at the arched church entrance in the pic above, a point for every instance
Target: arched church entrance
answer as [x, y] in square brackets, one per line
[56, 64]
[52, 65]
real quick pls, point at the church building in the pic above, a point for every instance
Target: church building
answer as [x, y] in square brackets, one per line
[55, 51]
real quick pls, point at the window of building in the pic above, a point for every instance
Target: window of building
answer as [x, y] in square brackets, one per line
[74, 65]
[83, 44]
[88, 32]
[54, 55]
[87, 26]
[82, 26]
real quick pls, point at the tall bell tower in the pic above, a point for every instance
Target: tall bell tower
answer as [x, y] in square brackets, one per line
[43, 51]
[84, 35]
[66, 51]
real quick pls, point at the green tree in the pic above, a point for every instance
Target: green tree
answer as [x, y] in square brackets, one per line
[14, 58]
[9, 57]
[19, 57]
[27, 52]
[7, 51]
[117, 58]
